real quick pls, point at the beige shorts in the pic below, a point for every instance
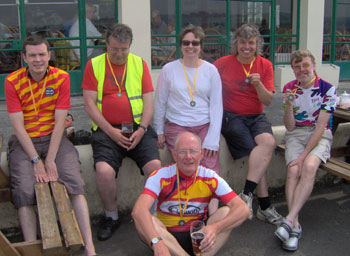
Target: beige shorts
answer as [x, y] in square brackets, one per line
[297, 140]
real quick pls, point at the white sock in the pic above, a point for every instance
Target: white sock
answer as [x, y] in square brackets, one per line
[113, 214]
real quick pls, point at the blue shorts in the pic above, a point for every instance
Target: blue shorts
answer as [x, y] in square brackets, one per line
[240, 131]
[106, 150]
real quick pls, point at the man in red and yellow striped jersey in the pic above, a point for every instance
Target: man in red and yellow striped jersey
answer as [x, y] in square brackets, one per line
[38, 97]
[184, 190]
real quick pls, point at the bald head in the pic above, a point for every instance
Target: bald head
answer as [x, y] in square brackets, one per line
[187, 136]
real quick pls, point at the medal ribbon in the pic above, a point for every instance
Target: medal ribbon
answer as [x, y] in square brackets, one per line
[190, 91]
[294, 91]
[182, 211]
[115, 79]
[247, 73]
[36, 110]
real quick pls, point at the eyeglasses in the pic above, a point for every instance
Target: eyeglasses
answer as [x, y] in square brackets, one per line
[184, 152]
[187, 43]
[122, 50]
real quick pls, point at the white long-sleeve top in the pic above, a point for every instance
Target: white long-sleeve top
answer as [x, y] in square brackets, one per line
[173, 100]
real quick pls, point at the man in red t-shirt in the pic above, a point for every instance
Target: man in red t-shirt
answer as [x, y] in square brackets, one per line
[118, 89]
[247, 85]
[37, 100]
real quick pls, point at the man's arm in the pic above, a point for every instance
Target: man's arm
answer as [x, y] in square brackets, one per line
[55, 141]
[238, 213]
[17, 121]
[147, 112]
[288, 117]
[90, 98]
[144, 223]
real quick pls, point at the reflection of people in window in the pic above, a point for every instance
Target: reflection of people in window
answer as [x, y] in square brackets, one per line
[158, 26]
[91, 30]
[5, 34]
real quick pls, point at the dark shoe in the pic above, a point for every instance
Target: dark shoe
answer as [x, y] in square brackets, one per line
[107, 228]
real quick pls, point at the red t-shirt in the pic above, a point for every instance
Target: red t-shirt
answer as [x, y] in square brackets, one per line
[39, 120]
[238, 96]
[116, 110]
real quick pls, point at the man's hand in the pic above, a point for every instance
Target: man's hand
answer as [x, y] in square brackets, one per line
[135, 138]
[299, 162]
[209, 153]
[289, 97]
[161, 141]
[40, 172]
[210, 238]
[51, 170]
[160, 249]
[117, 136]
[254, 79]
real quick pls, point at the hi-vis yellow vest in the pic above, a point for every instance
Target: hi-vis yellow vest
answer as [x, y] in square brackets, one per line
[133, 83]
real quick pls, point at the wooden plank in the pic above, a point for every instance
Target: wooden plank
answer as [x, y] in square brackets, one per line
[4, 180]
[50, 234]
[5, 195]
[66, 215]
[6, 248]
[340, 163]
[336, 170]
[32, 248]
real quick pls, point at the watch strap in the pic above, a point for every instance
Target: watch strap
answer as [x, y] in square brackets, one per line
[143, 127]
[35, 159]
[155, 240]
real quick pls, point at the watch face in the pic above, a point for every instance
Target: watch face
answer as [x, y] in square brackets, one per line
[155, 240]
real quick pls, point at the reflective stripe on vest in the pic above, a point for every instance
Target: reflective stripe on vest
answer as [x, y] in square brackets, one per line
[133, 83]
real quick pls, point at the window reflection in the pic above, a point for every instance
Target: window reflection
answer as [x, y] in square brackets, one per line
[163, 32]
[10, 58]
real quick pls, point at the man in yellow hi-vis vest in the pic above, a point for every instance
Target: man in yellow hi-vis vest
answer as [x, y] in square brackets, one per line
[118, 90]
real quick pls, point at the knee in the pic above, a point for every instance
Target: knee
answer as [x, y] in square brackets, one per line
[266, 140]
[104, 172]
[151, 166]
[309, 170]
[293, 172]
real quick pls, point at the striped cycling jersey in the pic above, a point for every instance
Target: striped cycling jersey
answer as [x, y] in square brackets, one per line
[162, 185]
[55, 96]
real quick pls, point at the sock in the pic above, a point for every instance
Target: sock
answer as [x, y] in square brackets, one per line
[249, 187]
[113, 214]
[264, 202]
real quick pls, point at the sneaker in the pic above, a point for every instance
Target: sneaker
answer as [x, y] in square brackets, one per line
[284, 229]
[292, 243]
[248, 199]
[269, 215]
[107, 228]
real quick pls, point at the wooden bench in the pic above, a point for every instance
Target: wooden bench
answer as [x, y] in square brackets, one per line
[51, 198]
[333, 166]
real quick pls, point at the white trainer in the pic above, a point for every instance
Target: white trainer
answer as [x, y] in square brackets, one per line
[248, 199]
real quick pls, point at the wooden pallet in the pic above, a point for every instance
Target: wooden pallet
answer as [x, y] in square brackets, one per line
[51, 198]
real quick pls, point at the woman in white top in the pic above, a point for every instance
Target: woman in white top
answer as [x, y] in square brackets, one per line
[189, 98]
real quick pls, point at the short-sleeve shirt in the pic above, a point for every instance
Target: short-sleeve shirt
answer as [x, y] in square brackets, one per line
[309, 102]
[238, 96]
[20, 89]
[116, 110]
[162, 185]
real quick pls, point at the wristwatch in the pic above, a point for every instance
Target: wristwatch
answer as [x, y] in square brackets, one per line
[36, 159]
[155, 240]
[143, 127]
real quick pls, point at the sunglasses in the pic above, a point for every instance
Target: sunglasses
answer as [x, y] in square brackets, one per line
[187, 43]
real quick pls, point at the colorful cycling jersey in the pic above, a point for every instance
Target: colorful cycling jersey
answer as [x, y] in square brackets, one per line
[162, 185]
[309, 102]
